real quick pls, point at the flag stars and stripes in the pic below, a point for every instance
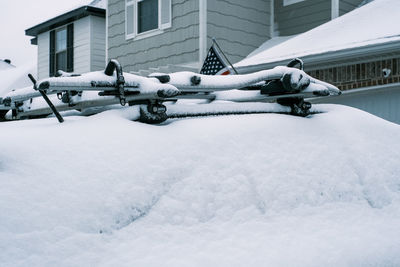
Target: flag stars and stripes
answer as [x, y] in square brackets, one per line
[213, 63]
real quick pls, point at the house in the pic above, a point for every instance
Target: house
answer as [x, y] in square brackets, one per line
[170, 35]
[358, 52]
[160, 35]
[74, 41]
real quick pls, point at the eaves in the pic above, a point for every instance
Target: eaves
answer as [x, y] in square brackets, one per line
[65, 19]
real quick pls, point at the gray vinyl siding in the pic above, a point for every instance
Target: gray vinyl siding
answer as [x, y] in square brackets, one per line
[43, 55]
[178, 44]
[238, 26]
[82, 45]
[98, 43]
[300, 17]
[348, 5]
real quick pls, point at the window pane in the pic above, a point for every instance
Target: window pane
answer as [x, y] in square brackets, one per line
[147, 15]
[129, 19]
[61, 61]
[61, 40]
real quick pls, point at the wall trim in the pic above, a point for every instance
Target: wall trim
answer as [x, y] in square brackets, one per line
[272, 20]
[90, 42]
[202, 30]
[106, 54]
[334, 9]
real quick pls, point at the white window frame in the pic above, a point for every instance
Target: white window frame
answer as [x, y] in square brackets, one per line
[160, 29]
[290, 2]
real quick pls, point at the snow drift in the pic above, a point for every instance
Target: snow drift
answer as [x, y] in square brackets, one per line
[249, 190]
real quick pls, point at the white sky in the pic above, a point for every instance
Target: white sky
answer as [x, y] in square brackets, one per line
[17, 16]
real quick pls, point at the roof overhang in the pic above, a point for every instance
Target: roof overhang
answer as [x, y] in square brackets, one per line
[362, 53]
[34, 41]
[65, 19]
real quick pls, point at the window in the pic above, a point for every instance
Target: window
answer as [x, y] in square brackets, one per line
[146, 17]
[289, 2]
[61, 50]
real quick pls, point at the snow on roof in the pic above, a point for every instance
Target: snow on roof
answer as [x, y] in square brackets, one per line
[274, 41]
[99, 3]
[374, 23]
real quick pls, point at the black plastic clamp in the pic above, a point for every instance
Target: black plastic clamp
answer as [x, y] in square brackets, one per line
[114, 65]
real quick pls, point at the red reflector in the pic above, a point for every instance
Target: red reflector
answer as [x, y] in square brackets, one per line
[226, 73]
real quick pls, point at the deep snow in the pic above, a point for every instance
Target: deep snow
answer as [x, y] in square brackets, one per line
[248, 190]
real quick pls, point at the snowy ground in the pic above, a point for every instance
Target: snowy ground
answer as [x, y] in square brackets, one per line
[248, 190]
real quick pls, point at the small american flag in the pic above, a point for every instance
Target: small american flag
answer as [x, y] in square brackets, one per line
[214, 63]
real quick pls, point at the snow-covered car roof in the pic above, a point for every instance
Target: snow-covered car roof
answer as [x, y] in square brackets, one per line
[255, 190]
